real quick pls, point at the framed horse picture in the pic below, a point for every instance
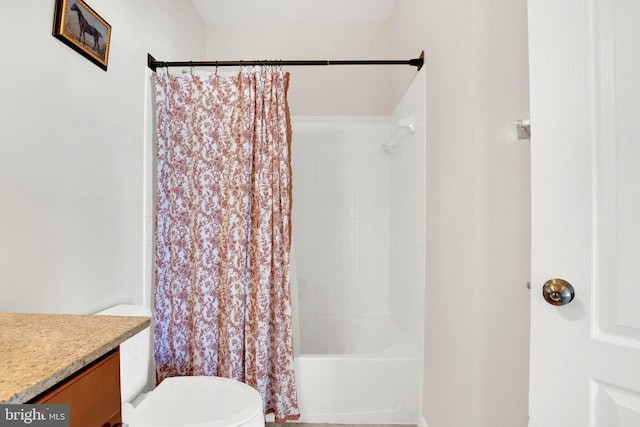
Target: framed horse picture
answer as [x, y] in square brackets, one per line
[82, 29]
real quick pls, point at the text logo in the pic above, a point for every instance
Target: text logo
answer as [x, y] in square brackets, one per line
[34, 415]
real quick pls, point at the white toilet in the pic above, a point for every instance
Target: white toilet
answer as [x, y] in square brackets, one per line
[179, 401]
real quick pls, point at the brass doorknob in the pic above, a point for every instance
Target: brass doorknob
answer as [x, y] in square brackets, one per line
[558, 292]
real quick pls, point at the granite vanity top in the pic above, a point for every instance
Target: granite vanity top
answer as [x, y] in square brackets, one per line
[37, 351]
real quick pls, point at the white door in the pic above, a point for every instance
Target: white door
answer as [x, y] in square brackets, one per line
[585, 156]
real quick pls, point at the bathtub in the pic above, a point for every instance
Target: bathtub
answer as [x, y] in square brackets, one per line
[356, 371]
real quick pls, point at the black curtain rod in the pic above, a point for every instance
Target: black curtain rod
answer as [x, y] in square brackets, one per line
[153, 64]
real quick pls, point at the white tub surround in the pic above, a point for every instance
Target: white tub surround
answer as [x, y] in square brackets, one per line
[367, 374]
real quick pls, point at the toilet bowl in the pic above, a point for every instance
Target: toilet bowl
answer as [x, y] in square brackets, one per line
[197, 401]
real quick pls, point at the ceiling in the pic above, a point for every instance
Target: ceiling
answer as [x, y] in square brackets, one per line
[220, 12]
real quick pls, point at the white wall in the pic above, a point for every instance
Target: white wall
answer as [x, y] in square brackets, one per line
[477, 250]
[71, 153]
[318, 91]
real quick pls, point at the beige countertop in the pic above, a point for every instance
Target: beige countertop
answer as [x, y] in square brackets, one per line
[39, 350]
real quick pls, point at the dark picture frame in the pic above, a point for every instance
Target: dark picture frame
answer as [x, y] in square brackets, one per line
[78, 26]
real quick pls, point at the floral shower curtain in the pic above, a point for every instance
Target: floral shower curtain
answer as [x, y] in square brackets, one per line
[223, 232]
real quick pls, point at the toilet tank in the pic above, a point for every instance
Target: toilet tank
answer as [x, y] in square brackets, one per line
[135, 353]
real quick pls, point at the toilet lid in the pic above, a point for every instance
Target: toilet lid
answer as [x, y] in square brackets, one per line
[199, 402]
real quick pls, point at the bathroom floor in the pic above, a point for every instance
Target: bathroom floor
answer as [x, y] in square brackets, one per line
[337, 425]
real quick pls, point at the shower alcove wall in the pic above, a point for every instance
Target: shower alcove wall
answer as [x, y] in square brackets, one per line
[358, 241]
[358, 251]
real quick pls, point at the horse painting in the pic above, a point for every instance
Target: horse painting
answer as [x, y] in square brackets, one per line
[85, 28]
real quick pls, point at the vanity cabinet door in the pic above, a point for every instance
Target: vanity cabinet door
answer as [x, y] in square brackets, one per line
[93, 393]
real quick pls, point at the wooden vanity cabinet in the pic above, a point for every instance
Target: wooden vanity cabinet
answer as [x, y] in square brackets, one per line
[93, 393]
